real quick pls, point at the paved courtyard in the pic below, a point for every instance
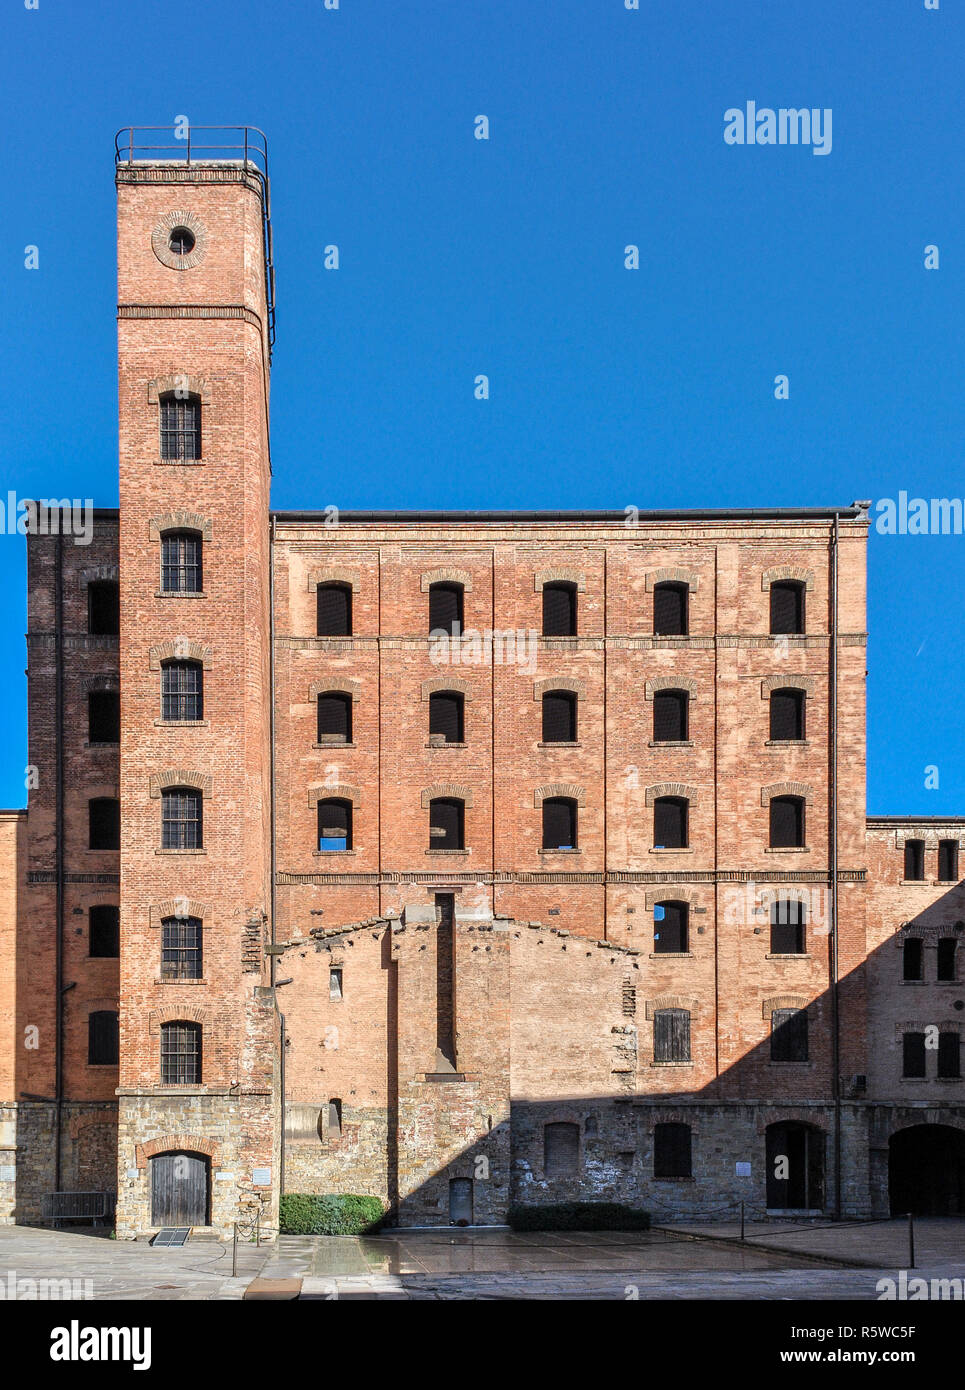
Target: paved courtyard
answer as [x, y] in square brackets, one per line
[777, 1261]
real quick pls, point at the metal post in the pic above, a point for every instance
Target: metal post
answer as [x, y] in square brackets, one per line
[742, 1220]
[189, 147]
[234, 1251]
[911, 1241]
[258, 1227]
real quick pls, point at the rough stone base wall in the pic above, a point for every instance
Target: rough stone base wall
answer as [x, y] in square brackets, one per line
[88, 1154]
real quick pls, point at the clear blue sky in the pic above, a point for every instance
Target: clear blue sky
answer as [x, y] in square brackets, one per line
[460, 257]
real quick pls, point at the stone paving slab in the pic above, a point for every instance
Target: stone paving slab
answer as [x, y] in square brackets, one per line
[876, 1244]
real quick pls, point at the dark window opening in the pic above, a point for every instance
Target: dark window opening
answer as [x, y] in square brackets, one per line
[181, 1054]
[913, 1054]
[181, 818]
[445, 609]
[104, 608]
[335, 983]
[788, 924]
[446, 717]
[181, 948]
[334, 718]
[913, 959]
[559, 823]
[333, 610]
[559, 716]
[446, 824]
[787, 608]
[559, 610]
[104, 816]
[670, 816]
[670, 716]
[445, 911]
[914, 859]
[947, 947]
[671, 1035]
[104, 930]
[561, 1149]
[789, 1035]
[787, 822]
[181, 241]
[182, 691]
[334, 825]
[103, 716]
[181, 562]
[103, 1047]
[787, 715]
[180, 426]
[949, 1056]
[672, 1151]
[335, 1118]
[948, 861]
[670, 603]
[670, 922]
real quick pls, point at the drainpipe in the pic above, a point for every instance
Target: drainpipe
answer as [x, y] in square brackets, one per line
[833, 847]
[59, 842]
[273, 853]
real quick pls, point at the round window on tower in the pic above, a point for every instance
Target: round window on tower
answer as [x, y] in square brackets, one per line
[179, 240]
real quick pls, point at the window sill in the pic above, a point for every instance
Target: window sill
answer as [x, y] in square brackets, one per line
[561, 743]
[671, 743]
[115, 957]
[180, 851]
[788, 955]
[788, 849]
[181, 723]
[448, 851]
[671, 955]
[944, 882]
[786, 743]
[170, 980]
[665, 849]
[804, 1066]
[671, 1064]
[181, 593]
[338, 853]
[920, 982]
[92, 850]
[115, 1065]
[333, 745]
[446, 745]
[930, 1080]
[920, 882]
[103, 743]
[560, 850]
[688, 1178]
[178, 463]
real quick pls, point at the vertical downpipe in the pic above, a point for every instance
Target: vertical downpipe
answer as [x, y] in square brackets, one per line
[59, 840]
[833, 846]
[273, 851]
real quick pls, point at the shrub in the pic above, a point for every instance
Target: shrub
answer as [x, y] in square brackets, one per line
[307, 1214]
[579, 1216]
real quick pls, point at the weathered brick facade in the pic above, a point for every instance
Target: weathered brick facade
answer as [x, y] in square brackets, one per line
[482, 1022]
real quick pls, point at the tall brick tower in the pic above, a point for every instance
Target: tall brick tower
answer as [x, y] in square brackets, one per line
[198, 1142]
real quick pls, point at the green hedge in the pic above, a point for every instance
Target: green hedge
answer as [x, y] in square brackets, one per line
[305, 1214]
[579, 1216]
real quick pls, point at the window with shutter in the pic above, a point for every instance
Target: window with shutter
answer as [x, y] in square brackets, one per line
[103, 608]
[182, 691]
[446, 822]
[104, 930]
[104, 814]
[670, 716]
[333, 612]
[913, 959]
[787, 608]
[445, 608]
[947, 948]
[561, 1149]
[949, 1056]
[181, 818]
[559, 716]
[334, 825]
[670, 610]
[789, 1035]
[181, 1054]
[670, 823]
[181, 948]
[180, 427]
[102, 1039]
[334, 718]
[559, 610]
[103, 716]
[559, 823]
[787, 715]
[671, 1035]
[181, 566]
[948, 861]
[787, 822]
[670, 921]
[672, 1151]
[914, 859]
[788, 920]
[446, 716]
[913, 1054]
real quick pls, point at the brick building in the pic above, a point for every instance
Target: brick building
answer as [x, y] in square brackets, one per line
[462, 859]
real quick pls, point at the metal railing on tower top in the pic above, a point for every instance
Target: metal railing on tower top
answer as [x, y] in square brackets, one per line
[242, 145]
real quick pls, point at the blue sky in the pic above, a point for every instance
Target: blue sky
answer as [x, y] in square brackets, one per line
[608, 387]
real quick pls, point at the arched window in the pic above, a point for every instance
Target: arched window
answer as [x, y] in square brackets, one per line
[670, 604]
[789, 1035]
[561, 1149]
[446, 716]
[670, 822]
[787, 822]
[181, 571]
[559, 610]
[787, 715]
[181, 1053]
[102, 1038]
[103, 716]
[670, 709]
[181, 948]
[446, 823]
[559, 716]
[333, 611]
[334, 717]
[103, 607]
[671, 1035]
[559, 823]
[787, 607]
[334, 825]
[182, 691]
[181, 818]
[180, 426]
[445, 609]
[788, 927]
[670, 928]
[104, 816]
[671, 1151]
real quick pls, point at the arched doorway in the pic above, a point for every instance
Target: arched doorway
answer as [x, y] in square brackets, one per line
[179, 1189]
[795, 1166]
[926, 1171]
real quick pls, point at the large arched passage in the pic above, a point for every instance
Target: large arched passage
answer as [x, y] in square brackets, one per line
[926, 1171]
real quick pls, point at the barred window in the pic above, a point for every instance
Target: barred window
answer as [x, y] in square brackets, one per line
[447, 823]
[102, 1038]
[787, 715]
[445, 608]
[559, 823]
[670, 708]
[334, 717]
[181, 948]
[181, 812]
[104, 930]
[559, 716]
[670, 822]
[182, 691]
[787, 822]
[670, 604]
[333, 610]
[334, 824]
[446, 716]
[181, 562]
[559, 610]
[181, 1054]
[788, 925]
[787, 608]
[670, 922]
[180, 426]
[789, 1035]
